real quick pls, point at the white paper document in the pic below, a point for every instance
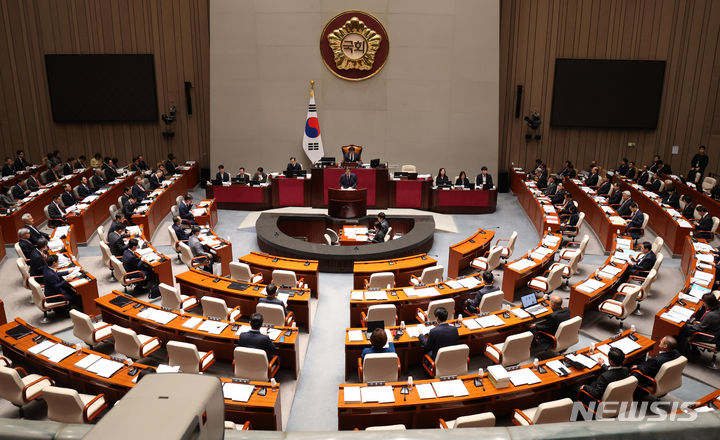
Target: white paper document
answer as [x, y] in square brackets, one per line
[88, 360]
[471, 324]
[162, 368]
[357, 295]
[427, 291]
[237, 392]
[192, 322]
[454, 284]
[351, 394]
[469, 282]
[58, 352]
[590, 285]
[489, 321]
[44, 345]
[105, 367]
[521, 265]
[379, 394]
[523, 376]
[520, 313]
[627, 345]
[355, 336]
[212, 327]
[425, 391]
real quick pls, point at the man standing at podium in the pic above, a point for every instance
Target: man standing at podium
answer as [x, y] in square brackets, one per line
[348, 180]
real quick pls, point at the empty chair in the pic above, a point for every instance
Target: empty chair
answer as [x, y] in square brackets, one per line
[491, 302]
[24, 270]
[667, 379]
[217, 308]
[429, 314]
[274, 314]
[574, 247]
[172, 299]
[708, 184]
[380, 280]
[187, 257]
[509, 247]
[557, 411]
[334, 239]
[387, 313]
[89, 331]
[429, 275]
[378, 367]
[45, 303]
[490, 261]
[133, 345]
[106, 257]
[252, 364]
[388, 234]
[657, 245]
[101, 233]
[242, 273]
[482, 420]
[572, 231]
[126, 278]
[450, 361]
[286, 278]
[65, 405]
[620, 306]
[514, 350]
[618, 394]
[550, 281]
[643, 288]
[570, 268]
[188, 358]
[20, 390]
[408, 169]
[566, 335]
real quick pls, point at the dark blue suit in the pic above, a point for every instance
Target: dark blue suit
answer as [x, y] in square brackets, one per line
[84, 190]
[155, 183]
[132, 263]
[180, 233]
[170, 167]
[350, 181]
[138, 192]
[651, 367]
[55, 285]
[18, 192]
[255, 339]
[36, 234]
[223, 177]
[37, 262]
[635, 222]
[273, 300]
[68, 198]
[369, 350]
[473, 304]
[644, 263]
[185, 213]
[441, 336]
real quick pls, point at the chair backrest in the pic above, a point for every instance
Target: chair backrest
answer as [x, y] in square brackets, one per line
[179, 199]
[101, 233]
[175, 211]
[106, 254]
[75, 192]
[557, 411]
[447, 303]
[113, 210]
[493, 258]
[118, 269]
[38, 293]
[516, 348]
[662, 186]
[24, 270]
[657, 245]
[183, 355]
[387, 313]
[240, 271]
[214, 307]
[491, 302]
[430, 274]
[82, 326]
[629, 302]
[328, 240]
[11, 386]
[272, 313]
[574, 262]
[669, 377]
[408, 169]
[647, 283]
[146, 183]
[511, 243]
[568, 333]
[119, 199]
[250, 363]
[708, 183]
[388, 234]
[185, 254]
[47, 214]
[452, 360]
[173, 237]
[716, 222]
[126, 341]
[658, 261]
[285, 278]
[333, 235]
[381, 280]
[170, 297]
[646, 218]
[581, 220]
[19, 252]
[554, 278]
[617, 393]
[380, 367]
[583, 245]
[63, 404]
[482, 420]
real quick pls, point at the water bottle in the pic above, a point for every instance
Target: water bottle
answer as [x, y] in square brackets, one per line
[592, 348]
[535, 364]
[632, 328]
[402, 325]
[480, 373]
[273, 384]
[78, 349]
[410, 383]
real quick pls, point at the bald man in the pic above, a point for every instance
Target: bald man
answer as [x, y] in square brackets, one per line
[550, 324]
[651, 366]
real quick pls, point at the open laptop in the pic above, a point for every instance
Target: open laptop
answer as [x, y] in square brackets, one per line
[530, 305]
[374, 163]
[372, 325]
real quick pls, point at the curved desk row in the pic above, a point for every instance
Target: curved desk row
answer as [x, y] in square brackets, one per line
[413, 412]
[262, 411]
[603, 219]
[538, 207]
[34, 170]
[698, 197]
[266, 264]
[461, 254]
[85, 285]
[519, 272]
[402, 268]
[198, 284]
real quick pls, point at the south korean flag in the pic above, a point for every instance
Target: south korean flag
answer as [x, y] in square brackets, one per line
[312, 142]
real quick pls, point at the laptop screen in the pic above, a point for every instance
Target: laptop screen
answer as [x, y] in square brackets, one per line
[528, 300]
[372, 325]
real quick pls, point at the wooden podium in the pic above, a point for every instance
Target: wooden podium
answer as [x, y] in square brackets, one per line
[348, 203]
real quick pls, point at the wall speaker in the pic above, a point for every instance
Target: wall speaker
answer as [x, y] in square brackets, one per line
[188, 98]
[518, 100]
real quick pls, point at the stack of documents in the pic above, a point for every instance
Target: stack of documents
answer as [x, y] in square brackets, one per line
[617, 220]
[88, 360]
[237, 392]
[453, 284]
[623, 243]
[55, 245]
[426, 291]
[541, 253]
[557, 367]
[521, 265]
[590, 285]
[550, 240]
[192, 322]
[702, 278]
[376, 295]
[609, 272]
[582, 359]
[447, 388]
[355, 336]
[523, 376]
[627, 345]
[351, 395]
[198, 212]
[212, 327]
[379, 394]
[357, 295]
[58, 352]
[157, 315]
[469, 282]
[702, 247]
[105, 367]
[39, 348]
[520, 313]
[677, 314]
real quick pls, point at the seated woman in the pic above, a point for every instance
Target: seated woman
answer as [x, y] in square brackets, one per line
[379, 236]
[462, 180]
[442, 179]
[378, 340]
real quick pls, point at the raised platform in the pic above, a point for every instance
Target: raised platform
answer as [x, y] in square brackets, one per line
[302, 236]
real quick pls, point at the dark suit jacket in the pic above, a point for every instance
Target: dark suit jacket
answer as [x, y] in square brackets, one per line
[255, 339]
[655, 185]
[8, 170]
[132, 262]
[688, 211]
[475, 302]
[37, 262]
[138, 192]
[51, 176]
[21, 164]
[550, 188]
[442, 181]
[32, 183]
[261, 179]
[707, 322]
[142, 165]
[170, 167]
[351, 156]
[665, 170]
[36, 234]
[573, 220]
[463, 182]
[379, 236]
[79, 165]
[67, 169]
[672, 199]
[54, 284]
[348, 181]
[110, 172]
[487, 185]
[631, 173]
[223, 177]
[624, 208]
[296, 167]
[592, 180]
[180, 232]
[604, 188]
[636, 220]
[273, 300]
[652, 365]
[97, 181]
[127, 210]
[441, 336]
[185, 212]
[54, 211]
[68, 198]
[116, 244]
[705, 223]
[643, 178]
[623, 169]
[558, 197]
[699, 161]
[615, 197]
[84, 190]
[608, 376]
[243, 179]
[155, 183]
[645, 262]
[553, 321]
[27, 247]
[18, 192]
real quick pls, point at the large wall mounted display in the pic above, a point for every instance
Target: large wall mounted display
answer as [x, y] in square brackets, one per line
[354, 45]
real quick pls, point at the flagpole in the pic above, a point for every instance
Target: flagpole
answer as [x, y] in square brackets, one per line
[312, 88]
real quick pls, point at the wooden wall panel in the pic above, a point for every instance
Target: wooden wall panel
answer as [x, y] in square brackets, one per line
[175, 31]
[685, 33]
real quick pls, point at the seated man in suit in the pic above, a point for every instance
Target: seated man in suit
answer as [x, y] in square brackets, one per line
[632, 171]
[654, 183]
[616, 195]
[484, 180]
[55, 212]
[18, 191]
[67, 167]
[156, 180]
[68, 198]
[616, 371]
[32, 183]
[97, 180]
[564, 208]
[472, 304]
[594, 178]
[604, 187]
[550, 324]
[637, 218]
[138, 190]
[185, 209]
[378, 342]
[442, 335]
[293, 165]
[651, 366]
[119, 219]
[115, 240]
[21, 164]
[642, 262]
[109, 169]
[128, 208]
[35, 233]
[572, 219]
[37, 258]
[552, 185]
[84, 189]
[80, 163]
[52, 174]
[348, 179]
[541, 179]
[179, 231]
[644, 176]
[379, 236]
[698, 164]
[254, 339]
[259, 176]
[705, 224]
[671, 198]
[141, 163]
[384, 225]
[624, 167]
[221, 175]
[625, 201]
[26, 246]
[56, 285]
[171, 164]
[663, 168]
[271, 298]
[351, 156]
[559, 194]
[198, 249]
[9, 168]
[705, 320]
[132, 263]
[241, 177]
[127, 192]
[689, 210]
[6, 201]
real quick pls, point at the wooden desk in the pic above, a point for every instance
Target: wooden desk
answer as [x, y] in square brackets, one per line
[265, 264]
[290, 191]
[461, 201]
[190, 174]
[346, 239]
[36, 206]
[222, 344]
[242, 197]
[698, 197]
[199, 284]
[375, 180]
[86, 221]
[347, 203]
[3, 316]
[411, 352]
[35, 170]
[262, 411]
[401, 267]
[163, 266]
[461, 254]
[598, 214]
[223, 249]
[514, 279]
[86, 288]
[410, 193]
[581, 300]
[517, 176]
[210, 218]
[415, 413]
[538, 207]
[672, 229]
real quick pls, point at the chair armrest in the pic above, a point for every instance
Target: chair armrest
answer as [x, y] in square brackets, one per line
[442, 424]
[142, 346]
[21, 370]
[499, 352]
[707, 335]
[133, 277]
[501, 239]
[246, 426]
[367, 283]
[35, 382]
[259, 274]
[421, 316]
[300, 282]
[650, 389]
[89, 404]
[429, 365]
[100, 328]
[200, 362]
[55, 304]
[582, 391]
[360, 370]
[201, 260]
[539, 332]
[522, 414]
[413, 277]
[273, 366]
[289, 318]
[192, 298]
[363, 319]
[230, 312]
